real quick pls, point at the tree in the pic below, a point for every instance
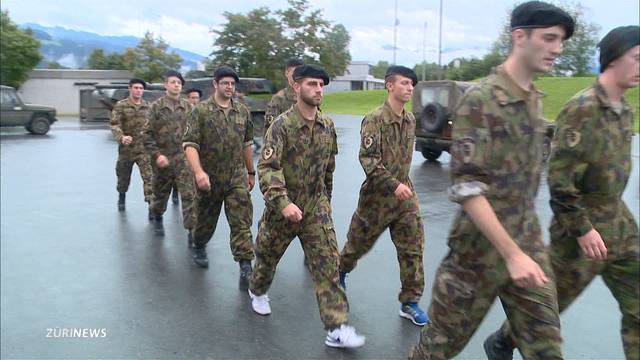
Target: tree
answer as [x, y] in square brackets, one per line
[259, 42]
[97, 60]
[431, 70]
[55, 65]
[578, 54]
[378, 70]
[19, 52]
[150, 59]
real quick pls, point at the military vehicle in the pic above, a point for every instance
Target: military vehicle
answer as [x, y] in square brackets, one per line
[37, 119]
[96, 104]
[433, 104]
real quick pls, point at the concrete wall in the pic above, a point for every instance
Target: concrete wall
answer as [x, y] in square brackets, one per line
[61, 88]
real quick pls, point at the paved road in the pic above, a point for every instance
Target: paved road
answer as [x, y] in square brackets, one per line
[70, 260]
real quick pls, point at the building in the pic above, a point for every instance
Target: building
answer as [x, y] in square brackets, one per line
[60, 88]
[356, 77]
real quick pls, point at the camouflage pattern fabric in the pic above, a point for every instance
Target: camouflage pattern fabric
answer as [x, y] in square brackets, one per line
[129, 119]
[163, 136]
[593, 144]
[282, 101]
[297, 167]
[386, 149]
[496, 152]
[220, 140]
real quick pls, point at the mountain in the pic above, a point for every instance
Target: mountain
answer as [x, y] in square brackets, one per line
[71, 48]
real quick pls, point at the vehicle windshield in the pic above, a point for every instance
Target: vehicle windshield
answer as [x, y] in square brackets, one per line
[435, 94]
[9, 98]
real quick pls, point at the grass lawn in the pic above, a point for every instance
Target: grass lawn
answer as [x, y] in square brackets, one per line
[557, 89]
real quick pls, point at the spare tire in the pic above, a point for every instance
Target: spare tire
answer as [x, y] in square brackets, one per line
[433, 117]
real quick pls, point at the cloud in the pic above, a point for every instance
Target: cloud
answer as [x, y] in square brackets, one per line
[178, 33]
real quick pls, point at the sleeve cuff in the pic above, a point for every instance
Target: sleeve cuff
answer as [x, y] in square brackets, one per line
[281, 202]
[187, 144]
[392, 185]
[247, 143]
[460, 192]
[583, 227]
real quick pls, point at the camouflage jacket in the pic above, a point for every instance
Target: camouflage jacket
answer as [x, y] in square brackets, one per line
[386, 149]
[280, 102]
[298, 161]
[496, 151]
[219, 139]
[165, 127]
[591, 160]
[128, 119]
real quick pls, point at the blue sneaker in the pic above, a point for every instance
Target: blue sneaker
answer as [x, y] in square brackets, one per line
[412, 311]
[343, 277]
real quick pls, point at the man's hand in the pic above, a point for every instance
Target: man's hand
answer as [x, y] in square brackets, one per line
[592, 245]
[525, 272]
[292, 213]
[162, 161]
[251, 181]
[202, 180]
[126, 140]
[403, 192]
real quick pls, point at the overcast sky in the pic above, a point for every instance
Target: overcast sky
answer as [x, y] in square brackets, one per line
[469, 26]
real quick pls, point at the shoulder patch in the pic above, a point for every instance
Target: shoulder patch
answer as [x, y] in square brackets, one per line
[368, 141]
[467, 149]
[572, 137]
[267, 153]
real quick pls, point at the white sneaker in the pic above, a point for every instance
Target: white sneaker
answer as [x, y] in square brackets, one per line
[260, 304]
[344, 337]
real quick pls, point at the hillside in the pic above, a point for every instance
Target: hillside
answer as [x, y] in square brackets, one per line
[557, 89]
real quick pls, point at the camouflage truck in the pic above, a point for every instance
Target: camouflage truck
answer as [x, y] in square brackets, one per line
[433, 105]
[96, 104]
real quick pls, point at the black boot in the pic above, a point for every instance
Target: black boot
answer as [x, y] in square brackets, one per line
[151, 215]
[498, 347]
[121, 198]
[200, 256]
[158, 227]
[245, 273]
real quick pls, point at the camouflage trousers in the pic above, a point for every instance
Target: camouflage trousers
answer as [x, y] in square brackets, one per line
[464, 290]
[239, 211]
[124, 166]
[177, 173]
[403, 219]
[318, 240]
[620, 272]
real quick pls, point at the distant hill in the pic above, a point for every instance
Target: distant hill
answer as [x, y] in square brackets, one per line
[71, 48]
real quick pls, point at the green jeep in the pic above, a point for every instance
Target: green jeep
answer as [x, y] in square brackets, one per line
[37, 119]
[433, 104]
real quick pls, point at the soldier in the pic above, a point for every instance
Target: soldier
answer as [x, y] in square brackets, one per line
[218, 147]
[193, 96]
[127, 123]
[164, 130]
[296, 178]
[283, 99]
[588, 172]
[387, 199]
[496, 245]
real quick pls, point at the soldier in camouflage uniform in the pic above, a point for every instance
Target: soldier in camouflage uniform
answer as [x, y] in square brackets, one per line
[387, 199]
[592, 231]
[127, 124]
[283, 99]
[218, 147]
[496, 245]
[164, 130]
[296, 178]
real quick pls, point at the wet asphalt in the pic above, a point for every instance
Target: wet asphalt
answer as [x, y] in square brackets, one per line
[81, 280]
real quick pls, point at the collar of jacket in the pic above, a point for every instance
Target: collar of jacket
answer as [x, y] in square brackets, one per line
[507, 91]
[299, 121]
[604, 99]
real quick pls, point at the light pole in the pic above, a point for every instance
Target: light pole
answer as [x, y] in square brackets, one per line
[424, 45]
[395, 32]
[440, 46]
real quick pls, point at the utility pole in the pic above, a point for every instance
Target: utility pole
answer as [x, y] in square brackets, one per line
[395, 32]
[424, 45]
[440, 46]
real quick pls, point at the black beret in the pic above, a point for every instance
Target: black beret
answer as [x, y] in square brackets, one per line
[538, 14]
[310, 71]
[189, 91]
[616, 43]
[138, 81]
[403, 71]
[171, 73]
[225, 71]
[293, 62]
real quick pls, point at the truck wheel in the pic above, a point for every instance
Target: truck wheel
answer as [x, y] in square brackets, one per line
[39, 125]
[430, 154]
[433, 117]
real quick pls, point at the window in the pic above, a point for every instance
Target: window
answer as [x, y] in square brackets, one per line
[9, 98]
